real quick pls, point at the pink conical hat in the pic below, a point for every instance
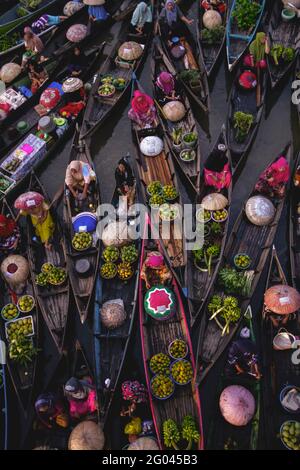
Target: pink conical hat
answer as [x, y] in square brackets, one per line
[155, 260]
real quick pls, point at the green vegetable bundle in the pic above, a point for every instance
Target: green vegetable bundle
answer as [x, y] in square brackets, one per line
[227, 308]
[236, 282]
[245, 14]
[172, 434]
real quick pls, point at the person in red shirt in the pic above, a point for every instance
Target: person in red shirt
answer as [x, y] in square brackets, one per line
[81, 395]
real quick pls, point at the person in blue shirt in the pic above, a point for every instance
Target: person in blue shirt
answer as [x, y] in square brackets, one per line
[45, 22]
[141, 20]
[97, 15]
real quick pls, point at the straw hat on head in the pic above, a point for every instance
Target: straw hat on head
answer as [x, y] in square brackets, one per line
[46, 124]
[72, 84]
[94, 2]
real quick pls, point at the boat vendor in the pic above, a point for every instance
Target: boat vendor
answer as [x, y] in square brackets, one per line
[218, 5]
[81, 395]
[33, 45]
[272, 182]
[141, 21]
[125, 181]
[142, 111]
[79, 176]
[77, 62]
[217, 174]
[9, 234]
[166, 88]
[50, 411]
[34, 205]
[74, 97]
[258, 49]
[171, 20]
[154, 270]
[45, 21]
[97, 15]
[243, 356]
[37, 74]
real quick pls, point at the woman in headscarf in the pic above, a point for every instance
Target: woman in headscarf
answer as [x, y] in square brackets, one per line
[141, 21]
[37, 75]
[33, 45]
[81, 395]
[217, 172]
[154, 270]
[258, 50]
[142, 110]
[272, 182]
[79, 176]
[77, 62]
[166, 88]
[9, 234]
[243, 357]
[50, 411]
[171, 20]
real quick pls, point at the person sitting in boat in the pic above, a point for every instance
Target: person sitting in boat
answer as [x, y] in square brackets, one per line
[218, 5]
[154, 270]
[97, 16]
[272, 182]
[37, 74]
[73, 98]
[9, 234]
[217, 172]
[258, 50]
[166, 88]
[125, 181]
[142, 111]
[141, 21]
[50, 411]
[77, 62]
[81, 396]
[171, 21]
[46, 21]
[33, 45]
[243, 356]
[79, 176]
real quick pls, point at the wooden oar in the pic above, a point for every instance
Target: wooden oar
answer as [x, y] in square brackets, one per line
[258, 88]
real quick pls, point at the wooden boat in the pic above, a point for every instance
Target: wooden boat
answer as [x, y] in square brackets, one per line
[285, 33]
[199, 282]
[224, 435]
[189, 170]
[111, 345]
[295, 94]
[22, 375]
[156, 336]
[192, 60]
[294, 230]
[249, 102]
[53, 301]
[238, 41]
[279, 368]
[256, 242]
[211, 53]
[100, 108]
[82, 284]
[3, 409]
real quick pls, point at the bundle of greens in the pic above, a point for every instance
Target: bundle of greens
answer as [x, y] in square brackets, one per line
[213, 36]
[172, 434]
[236, 282]
[227, 308]
[205, 256]
[242, 122]
[279, 52]
[245, 14]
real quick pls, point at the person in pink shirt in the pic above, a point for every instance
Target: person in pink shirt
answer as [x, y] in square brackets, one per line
[81, 396]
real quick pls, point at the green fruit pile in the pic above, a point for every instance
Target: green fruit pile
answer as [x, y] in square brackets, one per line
[155, 187]
[156, 200]
[57, 276]
[170, 192]
[242, 261]
[9, 312]
[108, 270]
[182, 371]
[111, 254]
[106, 90]
[119, 83]
[125, 271]
[160, 363]
[26, 303]
[47, 267]
[178, 349]
[162, 386]
[22, 326]
[107, 79]
[41, 280]
[129, 254]
[168, 212]
[220, 216]
[290, 434]
[82, 241]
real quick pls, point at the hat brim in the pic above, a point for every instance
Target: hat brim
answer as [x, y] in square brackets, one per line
[94, 2]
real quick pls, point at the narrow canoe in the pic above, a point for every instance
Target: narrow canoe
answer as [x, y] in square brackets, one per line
[294, 230]
[3, 409]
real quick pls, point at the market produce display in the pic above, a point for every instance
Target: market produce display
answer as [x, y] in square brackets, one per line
[57, 276]
[178, 349]
[242, 261]
[9, 312]
[82, 241]
[155, 187]
[111, 254]
[129, 254]
[108, 270]
[162, 386]
[169, 192]
[160, 363]
[107, 90]
[182, 371]
[41, 280]
[220, 216]
[20, 327]
[26, 303]
[47, 267]
[290, 434]
[125, 271]
[168, 212]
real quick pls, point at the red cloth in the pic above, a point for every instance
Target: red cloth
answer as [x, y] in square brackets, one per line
[141, 103]
[83, 408]
[218, 180]
[248, 80]
[7, 226]
[277, 173]
[71, 109]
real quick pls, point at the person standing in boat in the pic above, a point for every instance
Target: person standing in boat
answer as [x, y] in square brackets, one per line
[33, 45]
[81, 395]
[125, 181]
[9, 234]
[142, 111]
[243, 357]
[97, 16]
[172, 20]
[141, 21]
[166, 88]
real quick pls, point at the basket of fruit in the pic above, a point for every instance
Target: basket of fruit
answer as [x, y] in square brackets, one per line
[108, 270]
[169, 192]
[155, 187]
[125, 271]
[119, 83]
[82, 241]
[106, 90]
[290, 435]
[41, 280]
[178, 349]
[219, 216]
[57, 276]
[160, 363]
[107, 78]
[187, 155]
[162, 387]
[156, 200]
[21, 326]
[110, 254]
[203, 215]
[181, 372]
[190, 139]
[168, 212]
[129, 254]
[242, 261]
[47, 267]
[26, 303]
[10, 312]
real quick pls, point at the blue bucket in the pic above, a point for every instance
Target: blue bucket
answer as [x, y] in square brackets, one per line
[85, 222]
